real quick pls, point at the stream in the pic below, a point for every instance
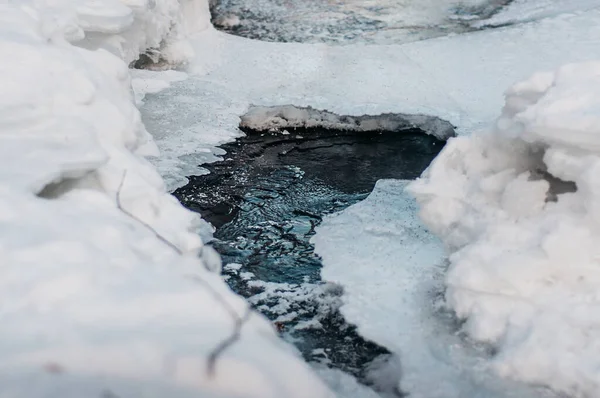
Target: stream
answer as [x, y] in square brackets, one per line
[266, 198]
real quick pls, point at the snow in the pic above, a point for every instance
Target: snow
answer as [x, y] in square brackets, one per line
[343, 384]
[520, 220]
[106, 287]
[145, 82]
[392, 282]
[127, 28]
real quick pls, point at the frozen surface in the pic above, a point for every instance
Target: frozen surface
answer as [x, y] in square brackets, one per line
[127, 28]
[145, 82]
[392, 269]
[519, 11]
[106, 288]
[517, 208]
[460, 79]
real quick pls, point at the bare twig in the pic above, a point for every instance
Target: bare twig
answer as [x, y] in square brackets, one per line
[239, 322]
[228, 342]
[148, 226]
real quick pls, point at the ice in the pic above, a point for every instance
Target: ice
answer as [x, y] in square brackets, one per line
[519, 11]
[106, 287]
[151, 82]
[520, 221]
[290, 117]
[392, 269]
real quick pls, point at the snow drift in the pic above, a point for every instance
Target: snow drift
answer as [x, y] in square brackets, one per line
[127, 28]
[106, 288]
[519, 211]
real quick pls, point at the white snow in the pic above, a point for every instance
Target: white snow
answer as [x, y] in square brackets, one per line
[106, 289]
[127, 28]
[522, 239]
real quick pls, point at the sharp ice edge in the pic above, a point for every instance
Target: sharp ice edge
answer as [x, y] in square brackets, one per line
[262, 118]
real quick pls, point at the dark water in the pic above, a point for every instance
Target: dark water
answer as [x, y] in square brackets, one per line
[267, 197]
[344, 22]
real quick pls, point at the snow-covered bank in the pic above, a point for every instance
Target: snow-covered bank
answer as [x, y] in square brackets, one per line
[126, 28]
[518, 209]
[105, 287]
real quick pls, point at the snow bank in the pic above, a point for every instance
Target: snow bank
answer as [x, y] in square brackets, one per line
[518, 209]
[127, 28]
[106, 288]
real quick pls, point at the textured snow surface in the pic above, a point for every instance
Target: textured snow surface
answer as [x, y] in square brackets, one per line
[126, 28]
[518, 210]
[392, 270]
[105, 287]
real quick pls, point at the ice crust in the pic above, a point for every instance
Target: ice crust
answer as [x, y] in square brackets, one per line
[392, 271]
[289, 117]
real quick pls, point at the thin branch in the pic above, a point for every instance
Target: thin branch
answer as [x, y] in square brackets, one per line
[228, 342]
[239, 322]
[148, 226]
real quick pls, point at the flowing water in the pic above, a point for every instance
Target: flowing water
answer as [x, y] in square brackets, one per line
[267, 197]
[351, 21]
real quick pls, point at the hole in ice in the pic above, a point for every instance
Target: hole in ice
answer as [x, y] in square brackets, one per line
[272, 189]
